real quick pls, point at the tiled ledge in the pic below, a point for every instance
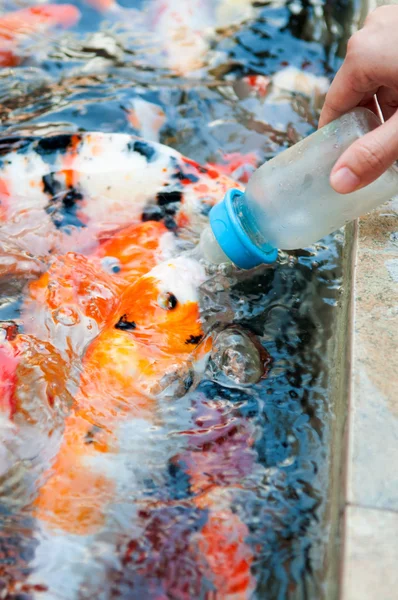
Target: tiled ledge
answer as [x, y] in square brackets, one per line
[370, 524]
[370, 565]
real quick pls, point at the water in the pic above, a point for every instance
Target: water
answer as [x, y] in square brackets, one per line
[266, 445]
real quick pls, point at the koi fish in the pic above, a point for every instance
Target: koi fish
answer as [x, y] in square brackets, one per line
[186, 29]
[258, 83]
[288, 81]
[153, 336]
[84, 185]
[15, 27]
[150, 350]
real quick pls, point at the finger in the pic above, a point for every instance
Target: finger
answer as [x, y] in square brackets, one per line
[350, 88]
[366, 159]
[388, 101]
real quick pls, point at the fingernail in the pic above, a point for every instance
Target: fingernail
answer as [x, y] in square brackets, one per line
[344, 181]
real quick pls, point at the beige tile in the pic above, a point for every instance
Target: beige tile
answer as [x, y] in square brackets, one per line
[371, 555]
[373, 419]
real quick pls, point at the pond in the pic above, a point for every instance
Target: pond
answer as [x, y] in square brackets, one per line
[228, 489]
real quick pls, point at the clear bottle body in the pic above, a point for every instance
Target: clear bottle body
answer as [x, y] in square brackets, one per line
[289, 202]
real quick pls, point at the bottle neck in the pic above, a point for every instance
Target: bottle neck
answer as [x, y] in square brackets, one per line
[235, 233]
[210, 250]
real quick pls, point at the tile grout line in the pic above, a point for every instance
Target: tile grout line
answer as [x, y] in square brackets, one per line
[369, 507]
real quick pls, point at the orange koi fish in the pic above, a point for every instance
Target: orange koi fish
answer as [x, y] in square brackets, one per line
[148, 351]
[86, 187]
[21, 24]
[141, 354]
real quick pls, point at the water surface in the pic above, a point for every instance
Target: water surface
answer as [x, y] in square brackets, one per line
[76, 82]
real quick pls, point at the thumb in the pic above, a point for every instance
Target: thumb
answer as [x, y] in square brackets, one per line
[367, 158]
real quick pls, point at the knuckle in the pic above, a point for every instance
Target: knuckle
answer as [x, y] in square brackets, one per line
[355, 44]
[371, 156]
[360, 77]
[359, 80]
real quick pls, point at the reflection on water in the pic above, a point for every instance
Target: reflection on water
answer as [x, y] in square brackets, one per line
[221, 492]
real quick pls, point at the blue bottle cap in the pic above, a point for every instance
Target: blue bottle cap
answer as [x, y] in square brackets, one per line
[233, 239]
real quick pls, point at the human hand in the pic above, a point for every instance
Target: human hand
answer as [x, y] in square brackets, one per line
[370, 68]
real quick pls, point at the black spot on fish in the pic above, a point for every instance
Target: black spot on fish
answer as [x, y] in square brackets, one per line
[90, 435]
[125, 325]
[170, 223]
[64, 205]
[194, 339]
[180, 174]
[71, 198]
[51, 186]
[158, 213]
[55, 143]
[164, 198]
[142, 148]
[15, 144]
[152, 213]
[186, 177]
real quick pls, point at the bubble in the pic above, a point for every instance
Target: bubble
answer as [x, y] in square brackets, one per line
[238, 356]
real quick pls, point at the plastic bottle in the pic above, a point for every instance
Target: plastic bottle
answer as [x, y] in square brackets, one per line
[289, 202]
